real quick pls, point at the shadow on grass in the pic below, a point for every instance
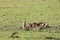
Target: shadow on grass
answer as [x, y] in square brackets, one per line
[50, 38]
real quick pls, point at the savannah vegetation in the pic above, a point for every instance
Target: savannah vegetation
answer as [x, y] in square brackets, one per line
[13, 12]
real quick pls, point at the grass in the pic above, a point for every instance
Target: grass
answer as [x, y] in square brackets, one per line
[12, 12]
[30, 35]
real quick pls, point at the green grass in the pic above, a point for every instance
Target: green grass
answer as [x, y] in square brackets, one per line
[30, 35]
[12, 13]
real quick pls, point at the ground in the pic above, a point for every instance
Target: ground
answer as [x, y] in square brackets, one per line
[13, 12]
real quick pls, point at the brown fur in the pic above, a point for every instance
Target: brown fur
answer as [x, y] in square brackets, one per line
[42, 24]
[32, 25]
